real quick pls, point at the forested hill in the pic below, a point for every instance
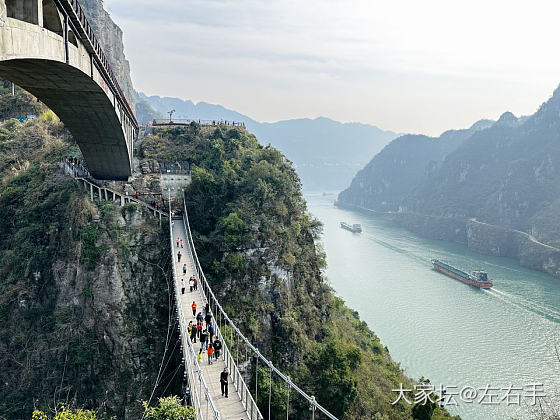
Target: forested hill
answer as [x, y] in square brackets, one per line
[507, 175]
[259, 248]
[326, 153]
[402, 166]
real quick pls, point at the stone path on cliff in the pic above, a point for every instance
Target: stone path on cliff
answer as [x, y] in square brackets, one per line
[529, 236]
[230, 408]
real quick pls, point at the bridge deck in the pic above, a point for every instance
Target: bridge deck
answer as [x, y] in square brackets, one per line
[230, 408]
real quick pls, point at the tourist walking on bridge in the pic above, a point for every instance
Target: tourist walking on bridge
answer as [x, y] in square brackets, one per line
[178, 256]
[194, 333]
[193, 307]
[217, 347]
[184, 268]
[210, 352]
[203, 340]
[211, 331]
[182, 286]
[208, 319]
[199, 328]
[224, 382]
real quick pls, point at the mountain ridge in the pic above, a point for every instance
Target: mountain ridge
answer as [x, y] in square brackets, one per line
[326, 152]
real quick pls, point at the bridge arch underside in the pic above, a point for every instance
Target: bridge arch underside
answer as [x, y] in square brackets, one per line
[83, 107]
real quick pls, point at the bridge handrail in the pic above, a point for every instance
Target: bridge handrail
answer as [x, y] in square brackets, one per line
[267, 362]
[242, 389]
[189, 356]
[79, 173]
[80, 19]
[239, 383]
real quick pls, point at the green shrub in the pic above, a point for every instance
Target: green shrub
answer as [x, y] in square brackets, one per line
[169, 408]
[65, 413]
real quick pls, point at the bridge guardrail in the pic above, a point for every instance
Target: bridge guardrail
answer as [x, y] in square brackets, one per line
[81, 173]
[81, 19]
[192, 367]
[314, 405]
[238, 382]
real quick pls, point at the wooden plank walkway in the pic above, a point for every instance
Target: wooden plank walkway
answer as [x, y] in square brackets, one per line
[230, 408]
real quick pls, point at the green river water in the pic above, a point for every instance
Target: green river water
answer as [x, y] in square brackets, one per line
[449, 332]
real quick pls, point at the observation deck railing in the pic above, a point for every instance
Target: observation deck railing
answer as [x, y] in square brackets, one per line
[188, 121]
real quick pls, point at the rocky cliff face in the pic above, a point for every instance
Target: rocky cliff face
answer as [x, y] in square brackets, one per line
[110, 38]
[89, 326]
[84, 302]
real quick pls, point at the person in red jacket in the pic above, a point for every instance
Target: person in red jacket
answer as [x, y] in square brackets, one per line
[210, 352]
[199, 327]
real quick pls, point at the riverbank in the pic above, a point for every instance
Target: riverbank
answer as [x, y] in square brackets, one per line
[481, 237]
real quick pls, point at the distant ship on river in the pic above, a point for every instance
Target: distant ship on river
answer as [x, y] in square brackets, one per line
[356, 227]
[478, 278]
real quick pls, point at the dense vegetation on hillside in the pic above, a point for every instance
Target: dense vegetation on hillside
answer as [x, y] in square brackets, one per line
[403, 165]
[74, 323]
[258, 246]
[506, 175]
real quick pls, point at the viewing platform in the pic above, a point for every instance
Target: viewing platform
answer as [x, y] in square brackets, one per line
[186, 122]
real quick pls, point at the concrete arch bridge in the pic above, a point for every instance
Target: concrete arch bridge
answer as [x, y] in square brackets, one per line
[48, 48]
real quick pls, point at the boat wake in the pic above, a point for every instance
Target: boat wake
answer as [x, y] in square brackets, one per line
[407, 252]
[520, 302]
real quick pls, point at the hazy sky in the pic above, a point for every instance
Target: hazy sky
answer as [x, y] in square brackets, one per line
[410, 66]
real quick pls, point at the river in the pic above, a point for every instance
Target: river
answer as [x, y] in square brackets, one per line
[439, 328]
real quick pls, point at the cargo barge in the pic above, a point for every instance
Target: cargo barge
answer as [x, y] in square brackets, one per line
[478, 278]
[356, 227]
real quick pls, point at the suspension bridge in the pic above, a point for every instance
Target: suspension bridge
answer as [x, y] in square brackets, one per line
[204, 388]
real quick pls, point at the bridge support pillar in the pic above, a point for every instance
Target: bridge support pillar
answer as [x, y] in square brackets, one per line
[91, 191]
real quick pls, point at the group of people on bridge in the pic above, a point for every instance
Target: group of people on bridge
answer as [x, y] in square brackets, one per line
[203, 327]
[78, 166]
[204, 330]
